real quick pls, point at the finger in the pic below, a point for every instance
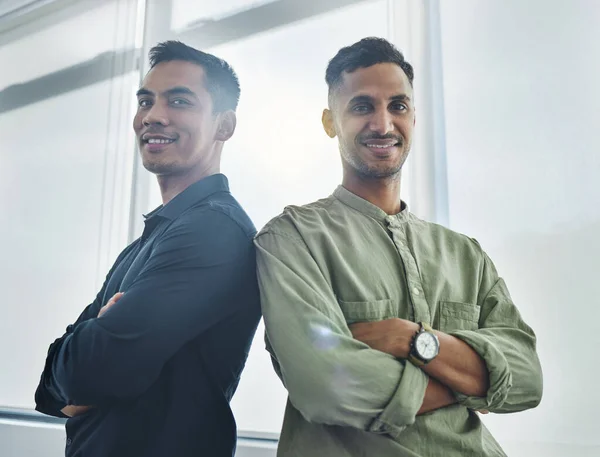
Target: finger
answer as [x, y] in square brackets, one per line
[105, 308]
[357, 326]
[116, 297]
[483, 411]
[110, 303]
[102, 310]
[356, 332]
[73, 410]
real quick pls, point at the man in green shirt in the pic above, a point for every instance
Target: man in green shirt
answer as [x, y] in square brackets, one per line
[390, 333]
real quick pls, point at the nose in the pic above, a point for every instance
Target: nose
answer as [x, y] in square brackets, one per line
[381, 122]
[156, 115]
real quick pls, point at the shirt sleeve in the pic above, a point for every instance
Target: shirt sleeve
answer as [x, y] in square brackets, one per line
[331, 378]
[508, 347]
[199, 273]
[48, 399]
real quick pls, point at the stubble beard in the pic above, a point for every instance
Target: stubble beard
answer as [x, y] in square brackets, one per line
[366, 171]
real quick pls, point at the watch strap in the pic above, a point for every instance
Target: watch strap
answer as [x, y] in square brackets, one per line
[425, 326]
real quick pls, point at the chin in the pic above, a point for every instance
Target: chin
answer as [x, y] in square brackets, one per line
[380, 173]
[377, 170]
[160, 168]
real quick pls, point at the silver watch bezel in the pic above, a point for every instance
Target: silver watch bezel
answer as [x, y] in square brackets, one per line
[416, 349]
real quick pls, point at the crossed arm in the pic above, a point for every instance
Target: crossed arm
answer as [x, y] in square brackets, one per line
[328, 368]
[456, 368]
[183, 289]
[74, 410]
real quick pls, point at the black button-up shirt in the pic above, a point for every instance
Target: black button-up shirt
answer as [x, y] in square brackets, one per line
[161, 365]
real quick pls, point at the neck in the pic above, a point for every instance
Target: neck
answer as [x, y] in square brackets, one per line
[381, 192]
[173, 184]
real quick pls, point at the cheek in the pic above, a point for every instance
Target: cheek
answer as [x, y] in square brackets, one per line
[194, 129]
[354, 128]
[407, 127]
[137, 122]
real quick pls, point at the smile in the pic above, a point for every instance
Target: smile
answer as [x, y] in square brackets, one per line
[380, 146]
[158, 141]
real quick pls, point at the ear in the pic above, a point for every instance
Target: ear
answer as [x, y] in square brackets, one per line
[328, 125]
[227, 123]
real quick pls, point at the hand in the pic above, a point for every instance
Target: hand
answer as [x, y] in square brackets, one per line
[110, 303]
[72, 410]
[392, 336]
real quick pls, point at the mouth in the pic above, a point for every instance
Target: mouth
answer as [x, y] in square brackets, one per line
[154, 143]
[382, 147]
[158, 141]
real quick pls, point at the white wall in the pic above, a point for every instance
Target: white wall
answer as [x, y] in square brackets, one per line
[522, 98]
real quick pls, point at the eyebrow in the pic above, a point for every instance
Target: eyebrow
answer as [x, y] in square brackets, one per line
[369, 99]
[178, 90]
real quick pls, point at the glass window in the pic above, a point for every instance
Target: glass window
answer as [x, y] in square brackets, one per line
[280, 154]
[104, 28]
[185, 12]
[65, 183]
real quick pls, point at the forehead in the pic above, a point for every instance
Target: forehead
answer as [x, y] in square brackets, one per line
[379, 81]
[176, 73]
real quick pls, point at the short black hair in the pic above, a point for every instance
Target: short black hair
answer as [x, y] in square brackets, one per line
[363, 54]
[221, 81]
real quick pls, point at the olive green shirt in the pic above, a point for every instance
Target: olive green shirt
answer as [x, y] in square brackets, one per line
[342, 260]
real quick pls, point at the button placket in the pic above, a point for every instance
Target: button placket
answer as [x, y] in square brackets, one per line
[420, 306]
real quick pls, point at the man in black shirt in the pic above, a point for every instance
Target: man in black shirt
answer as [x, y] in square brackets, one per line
[150, 366]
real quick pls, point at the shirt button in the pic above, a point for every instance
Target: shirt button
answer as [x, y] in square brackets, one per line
[416, 291]
[69, 441]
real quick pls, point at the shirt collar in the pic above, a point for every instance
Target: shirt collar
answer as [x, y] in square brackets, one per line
[369, 209]
[193, 194]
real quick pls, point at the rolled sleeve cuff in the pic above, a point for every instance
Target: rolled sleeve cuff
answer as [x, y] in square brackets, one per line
[500, 376]
[404, 405]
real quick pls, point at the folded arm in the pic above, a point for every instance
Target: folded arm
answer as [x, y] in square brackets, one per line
[192, 280]
[508, 347]
[494, 368]
[457, 365]
[48, 399]
[331, 378]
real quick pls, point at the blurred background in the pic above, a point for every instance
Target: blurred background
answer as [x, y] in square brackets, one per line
[506, 151]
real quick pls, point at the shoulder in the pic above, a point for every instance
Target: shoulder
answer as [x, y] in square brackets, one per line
[218, 215]
[216, 228]
[295, 221]
[445, 240]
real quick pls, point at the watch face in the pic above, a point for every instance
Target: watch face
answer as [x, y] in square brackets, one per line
[427, 345]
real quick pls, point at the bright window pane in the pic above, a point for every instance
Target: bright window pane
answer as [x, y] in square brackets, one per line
[65, 184]
[69, 42]
[280, 154]
[186, 12]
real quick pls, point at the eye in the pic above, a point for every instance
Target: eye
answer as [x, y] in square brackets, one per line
[179, 102]
[399, 107]
[361, 109]
[143, 103]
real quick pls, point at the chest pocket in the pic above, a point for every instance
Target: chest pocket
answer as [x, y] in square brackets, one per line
[362, 311]
[458, 316]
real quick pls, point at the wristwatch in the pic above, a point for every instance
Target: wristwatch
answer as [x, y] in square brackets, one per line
[425, 346]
